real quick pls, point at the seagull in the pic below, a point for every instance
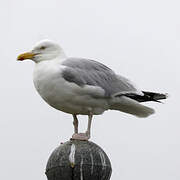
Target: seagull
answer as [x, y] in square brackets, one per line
[80, 86]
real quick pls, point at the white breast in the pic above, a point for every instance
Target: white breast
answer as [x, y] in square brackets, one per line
[49, 83]
[61, 94]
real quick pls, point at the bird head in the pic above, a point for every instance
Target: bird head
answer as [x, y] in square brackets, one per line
[43, 50]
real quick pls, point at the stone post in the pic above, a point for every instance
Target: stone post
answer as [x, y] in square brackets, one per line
[78, 160]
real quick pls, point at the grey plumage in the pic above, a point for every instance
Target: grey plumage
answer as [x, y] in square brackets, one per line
[89, 72]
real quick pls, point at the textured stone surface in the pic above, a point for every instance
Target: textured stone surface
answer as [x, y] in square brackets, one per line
[78, 160]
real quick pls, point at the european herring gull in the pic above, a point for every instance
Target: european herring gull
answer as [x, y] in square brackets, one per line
[80, 86]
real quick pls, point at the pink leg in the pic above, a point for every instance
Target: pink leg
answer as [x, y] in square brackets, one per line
[88, 131]
[84, 136]
[75, 123]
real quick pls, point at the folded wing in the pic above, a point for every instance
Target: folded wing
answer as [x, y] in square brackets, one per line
[85, 72]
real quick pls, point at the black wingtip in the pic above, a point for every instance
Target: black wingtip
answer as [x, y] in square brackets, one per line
[148, 96]
[156, 96]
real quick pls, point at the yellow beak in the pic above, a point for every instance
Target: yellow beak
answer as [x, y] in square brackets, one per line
[27, 55]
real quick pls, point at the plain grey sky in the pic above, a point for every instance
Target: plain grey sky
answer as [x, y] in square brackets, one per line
[138, 39]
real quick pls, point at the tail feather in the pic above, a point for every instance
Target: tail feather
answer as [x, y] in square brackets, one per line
[130, 106]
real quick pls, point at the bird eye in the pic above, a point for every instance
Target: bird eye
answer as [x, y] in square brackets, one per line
[42, 47]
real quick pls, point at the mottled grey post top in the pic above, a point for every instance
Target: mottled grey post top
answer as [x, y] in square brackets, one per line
[78, 160]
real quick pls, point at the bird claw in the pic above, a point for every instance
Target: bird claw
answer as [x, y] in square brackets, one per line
[80, 136]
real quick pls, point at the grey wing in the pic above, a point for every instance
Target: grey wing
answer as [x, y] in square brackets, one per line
[89, 72]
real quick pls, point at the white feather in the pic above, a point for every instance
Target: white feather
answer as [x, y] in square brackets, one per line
[131, 106]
